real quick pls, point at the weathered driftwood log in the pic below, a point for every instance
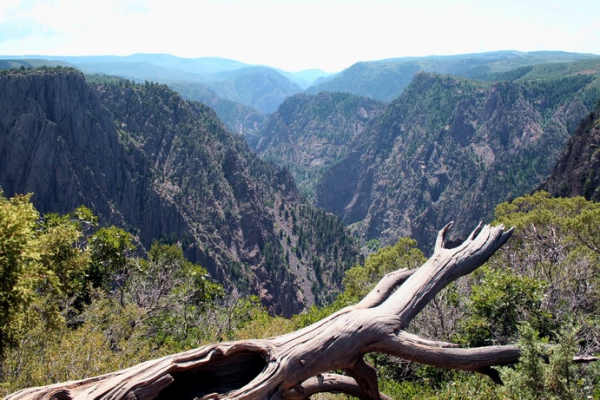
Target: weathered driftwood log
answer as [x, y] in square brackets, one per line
[298, 364]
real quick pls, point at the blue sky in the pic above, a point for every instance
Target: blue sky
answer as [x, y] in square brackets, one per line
[296, 34]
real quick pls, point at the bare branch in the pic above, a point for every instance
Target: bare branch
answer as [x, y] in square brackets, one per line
[584, 359]
[384, 288]
[366, 377]
[445, 266]
[439, 354]
[327, 383]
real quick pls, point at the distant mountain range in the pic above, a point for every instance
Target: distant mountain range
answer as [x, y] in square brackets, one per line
[260, 87]
[264, 88]
[386, 79]
[393, 148]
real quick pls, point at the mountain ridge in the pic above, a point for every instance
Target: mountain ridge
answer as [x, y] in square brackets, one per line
[451, 149]
[386, 79]
[143, 158]
[309, 134]
[258, 86]
[577, 172]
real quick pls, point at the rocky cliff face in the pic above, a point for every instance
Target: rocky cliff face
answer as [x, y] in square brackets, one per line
[577, 173]
[59, 142]
[141, 157]
[451, 149]
[310, 134]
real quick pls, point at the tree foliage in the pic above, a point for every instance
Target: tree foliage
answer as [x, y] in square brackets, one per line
[542, 288]
[76, 299]
[19, 265]
[359, 280]
[556, 243]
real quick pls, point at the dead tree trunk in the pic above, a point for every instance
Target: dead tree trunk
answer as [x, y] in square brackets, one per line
[296, 365]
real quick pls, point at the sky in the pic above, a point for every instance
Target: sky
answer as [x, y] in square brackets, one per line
[294, 35]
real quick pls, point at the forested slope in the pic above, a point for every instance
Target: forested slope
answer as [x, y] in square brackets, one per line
[577, 173]
[310, 134]
[165, 169]
[386, 79]
[451, 149]
[85, 304]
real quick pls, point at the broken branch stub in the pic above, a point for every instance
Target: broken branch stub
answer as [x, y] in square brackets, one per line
[299, 364]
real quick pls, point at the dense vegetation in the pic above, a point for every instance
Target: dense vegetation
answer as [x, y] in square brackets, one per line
[577, 173]
[235, 186]
[76, 302]
[542, 287]
[77, 299]
[452, 148]
[310, 134]
[160, 167]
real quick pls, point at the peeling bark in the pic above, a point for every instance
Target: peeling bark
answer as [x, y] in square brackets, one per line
[296, 365]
